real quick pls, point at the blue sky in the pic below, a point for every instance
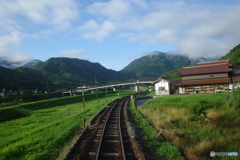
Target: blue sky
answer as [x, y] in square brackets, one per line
[115, 32]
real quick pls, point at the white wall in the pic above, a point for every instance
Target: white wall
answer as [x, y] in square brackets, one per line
[180, 90]
[162, 83]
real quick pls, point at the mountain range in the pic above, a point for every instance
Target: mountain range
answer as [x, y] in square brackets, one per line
[58, 72]
[71, 72]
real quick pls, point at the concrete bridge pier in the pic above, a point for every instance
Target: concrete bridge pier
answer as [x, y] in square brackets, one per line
[137, 88]
[70, 92]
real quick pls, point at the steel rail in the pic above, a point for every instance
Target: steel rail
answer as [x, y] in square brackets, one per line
[119, 128]
[100, 142]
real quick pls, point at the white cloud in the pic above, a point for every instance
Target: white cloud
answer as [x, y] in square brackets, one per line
[19, 56]
[57, 13]
[15, 56]
[194, 29]
[12, 38]
[113, 9]
[92, 30]
[206, 28]
[7, 42]
[20, 17]
[140, 3]
[204, 47]
[72, 53]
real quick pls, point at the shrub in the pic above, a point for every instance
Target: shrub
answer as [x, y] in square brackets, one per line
[27, 94]
[198, 111]
[170, 151]
[12, 96]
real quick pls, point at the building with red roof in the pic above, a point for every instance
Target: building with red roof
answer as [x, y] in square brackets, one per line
[208, 77]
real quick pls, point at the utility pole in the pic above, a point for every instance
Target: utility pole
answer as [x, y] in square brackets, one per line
[83, 102]
[96, 92]
[106, 93]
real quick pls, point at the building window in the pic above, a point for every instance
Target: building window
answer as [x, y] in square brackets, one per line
[161, 88]
[211, 75]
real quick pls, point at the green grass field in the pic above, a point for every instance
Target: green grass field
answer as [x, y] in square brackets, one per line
[40, 130]
[198, 124]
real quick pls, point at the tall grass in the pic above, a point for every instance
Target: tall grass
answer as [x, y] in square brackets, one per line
[162, 147]
[45, 127]
[219, 132]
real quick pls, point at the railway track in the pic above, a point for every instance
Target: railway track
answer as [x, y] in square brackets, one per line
[107, 138]
[113, 137]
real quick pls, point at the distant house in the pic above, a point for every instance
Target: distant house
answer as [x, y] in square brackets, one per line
[2, 94]
[208, 77]
[164, 86]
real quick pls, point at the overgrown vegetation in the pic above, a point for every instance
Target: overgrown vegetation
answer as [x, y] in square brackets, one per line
[39, 130]
[235, 102]
[198, 124]
[163, 148]
[199, 111]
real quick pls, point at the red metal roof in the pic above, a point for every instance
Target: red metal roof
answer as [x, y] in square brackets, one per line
[214, 62]
[212, 68]
[167, 79]
[205, 81]
[178, 83]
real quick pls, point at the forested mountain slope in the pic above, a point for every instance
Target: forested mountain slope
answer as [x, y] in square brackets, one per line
[234, 56]
[158, 63]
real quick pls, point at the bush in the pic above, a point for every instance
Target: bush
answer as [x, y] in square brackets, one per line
[12, 96]
[170, 151]
[198, 111]
[27, 94]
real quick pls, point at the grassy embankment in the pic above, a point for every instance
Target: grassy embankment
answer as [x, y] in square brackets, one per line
[151, 137]
[40, 130]
[198, 124]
